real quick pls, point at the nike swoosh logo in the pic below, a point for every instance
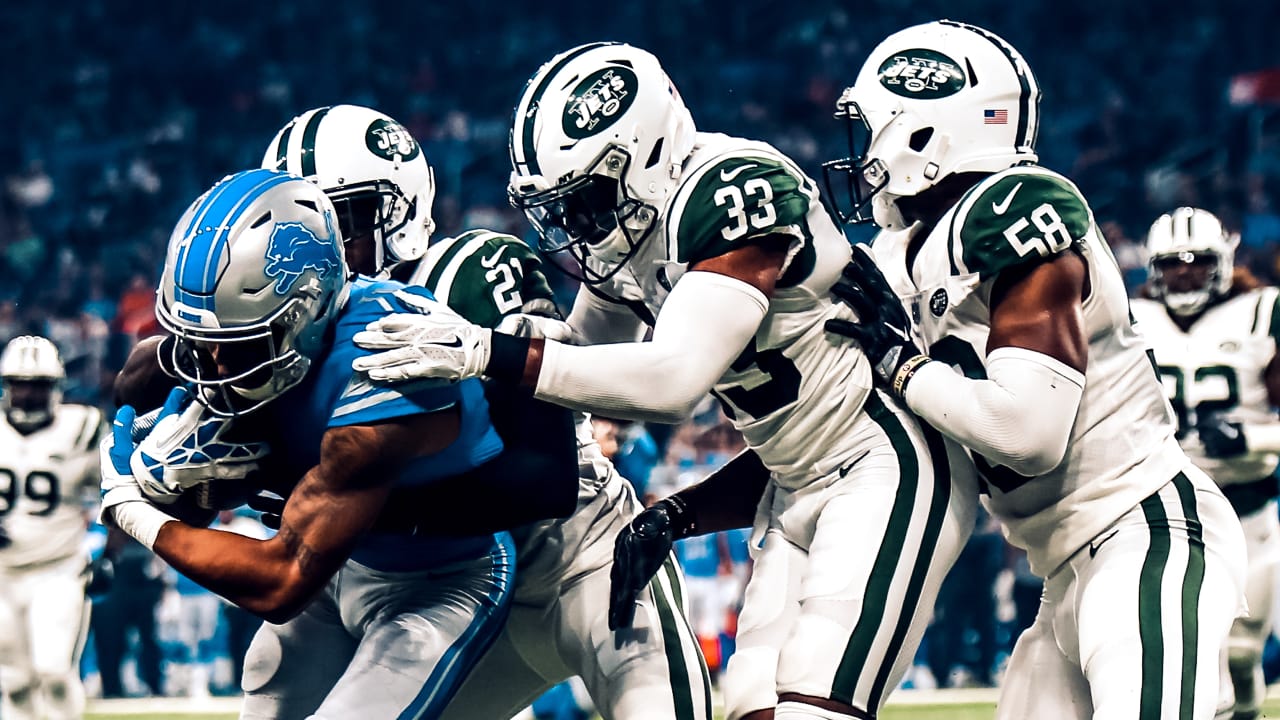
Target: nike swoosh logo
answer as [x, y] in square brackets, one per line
[1000, 207]
[1094, 546]
[728, 175]
[493, 260]
[456, 342]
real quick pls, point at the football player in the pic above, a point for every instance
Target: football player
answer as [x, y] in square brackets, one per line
[1024, 353]
[722, 247]
[255, 290]
[1214, 334]
[558, 623]
[47, 461]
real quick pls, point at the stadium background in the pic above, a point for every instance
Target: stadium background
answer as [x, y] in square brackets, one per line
[116, 114]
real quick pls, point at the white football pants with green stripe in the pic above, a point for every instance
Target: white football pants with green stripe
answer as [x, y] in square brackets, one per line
[559, 628]
[380, 645]
[848, 566]
[1132, 625]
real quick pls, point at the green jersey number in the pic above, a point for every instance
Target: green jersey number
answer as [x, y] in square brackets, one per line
[780, 388]
[759, 216]
[1177, 394]
[954, 351]
[1054, 236]
[39, 486]
[502, 276]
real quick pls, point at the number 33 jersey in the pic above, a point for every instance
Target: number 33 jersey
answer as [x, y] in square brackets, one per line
[41, 478]
[1217, 365]
[792, 391]
[1121, 447]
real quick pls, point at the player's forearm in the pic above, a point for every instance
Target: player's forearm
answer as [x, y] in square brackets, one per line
[257, 575]
[727, 498]
[705, 323]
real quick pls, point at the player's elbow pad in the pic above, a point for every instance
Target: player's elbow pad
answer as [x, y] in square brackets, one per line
[1021, 416]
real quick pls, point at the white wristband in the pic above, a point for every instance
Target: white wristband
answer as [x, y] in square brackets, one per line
[140, 520]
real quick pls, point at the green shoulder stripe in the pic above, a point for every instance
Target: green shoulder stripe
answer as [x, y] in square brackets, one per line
[484, 275]
[1274, 326]
[737, 198]
[1021, 217]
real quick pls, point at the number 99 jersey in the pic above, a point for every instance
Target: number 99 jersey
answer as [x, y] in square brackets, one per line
[1121, 447]
[1217, 365]
[792, 392]
[41, 477]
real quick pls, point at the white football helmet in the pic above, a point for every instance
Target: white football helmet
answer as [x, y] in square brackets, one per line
[598, 143]
[371, 168]
[253, 277]
[1190, 236]
[932, 101]
[31, 372]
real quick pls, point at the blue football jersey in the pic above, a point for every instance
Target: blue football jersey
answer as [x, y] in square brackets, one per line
[333, 395]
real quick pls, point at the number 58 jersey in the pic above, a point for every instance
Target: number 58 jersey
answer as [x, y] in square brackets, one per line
[793, 391]
[41, 477]
[1122, 445]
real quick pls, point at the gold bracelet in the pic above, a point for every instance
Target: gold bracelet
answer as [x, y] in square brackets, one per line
[905, 371]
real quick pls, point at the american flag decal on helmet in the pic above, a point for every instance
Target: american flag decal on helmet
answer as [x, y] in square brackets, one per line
[995, 117]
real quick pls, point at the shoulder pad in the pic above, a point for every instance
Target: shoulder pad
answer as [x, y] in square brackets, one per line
[734, 197]
[1020, 215]
[484, 275]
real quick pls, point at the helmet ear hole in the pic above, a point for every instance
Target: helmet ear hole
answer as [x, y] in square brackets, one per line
[920, 139]
[654, 155]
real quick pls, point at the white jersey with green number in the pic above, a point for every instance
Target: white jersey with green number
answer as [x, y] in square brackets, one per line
[41, 478]
[793, 390]
[1217, 366]
[1122, 445]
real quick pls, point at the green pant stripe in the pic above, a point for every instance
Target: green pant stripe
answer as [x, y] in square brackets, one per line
[1191, 583]
[928, 543]
[1149, 627]
[874, 598]
[673, 577]
[681, 694]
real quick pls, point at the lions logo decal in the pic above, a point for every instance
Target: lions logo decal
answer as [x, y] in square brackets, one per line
[390, 141]
[598, 101]
[294, 249]
[920, 73]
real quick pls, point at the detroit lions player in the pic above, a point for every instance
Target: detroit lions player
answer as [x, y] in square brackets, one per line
[255, 290]
[1010, 283]
[558, 625]
[47, 460]
[722, 246]
[1214, 334]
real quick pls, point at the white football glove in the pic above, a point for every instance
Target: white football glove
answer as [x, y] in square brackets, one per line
[435, 343]
[186, 448]
[536, 326]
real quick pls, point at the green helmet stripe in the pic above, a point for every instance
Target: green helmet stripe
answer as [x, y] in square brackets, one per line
[282, 149]
[309, 142]
[526, 133]
[1023, 71]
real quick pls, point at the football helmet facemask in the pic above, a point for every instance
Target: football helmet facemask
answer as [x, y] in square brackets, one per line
[598, 143]
[931, 101]
[1191, 258]
[32, 373]
[373, 171]
[253, 277]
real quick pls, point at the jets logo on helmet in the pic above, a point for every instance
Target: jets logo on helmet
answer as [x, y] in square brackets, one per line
[921, 73]
[931, 101]
[600, 98]
[389, 140]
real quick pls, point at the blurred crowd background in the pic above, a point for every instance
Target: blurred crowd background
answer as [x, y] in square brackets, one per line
[117, 114]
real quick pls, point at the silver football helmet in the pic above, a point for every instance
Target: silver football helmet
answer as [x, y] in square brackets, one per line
[374, 172]
[253, 277]
[31, 373]
[598, 143]
[1190, 238]
[931, 101]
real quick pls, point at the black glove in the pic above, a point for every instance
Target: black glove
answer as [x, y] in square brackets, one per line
[270, 505]
[1220, 437]
[639, 551]
[883, 328]
[102, 575]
